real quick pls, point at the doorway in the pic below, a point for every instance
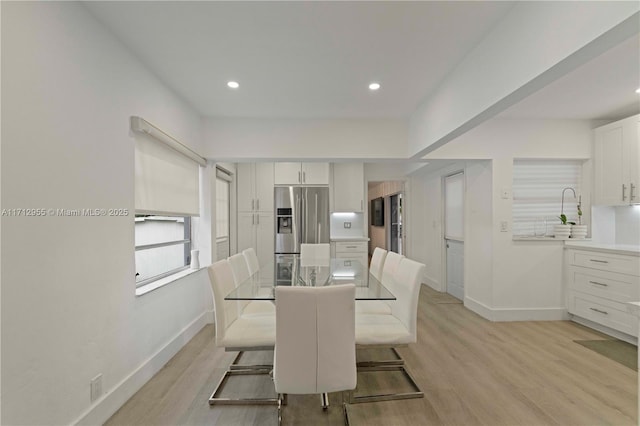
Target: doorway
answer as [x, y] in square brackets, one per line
[395, 229]
[454, 234]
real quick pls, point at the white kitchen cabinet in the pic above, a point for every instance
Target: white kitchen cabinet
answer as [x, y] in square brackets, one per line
[599, 286]
[301, 174]
[617, 162]
[254, 182]
[354, 250]
[257, 230]
[348, 187]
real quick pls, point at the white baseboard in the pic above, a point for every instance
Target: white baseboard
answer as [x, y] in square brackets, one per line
[113, 399]
[516, 314]
[431, 283]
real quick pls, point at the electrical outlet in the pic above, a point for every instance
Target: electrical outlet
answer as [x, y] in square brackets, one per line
[504, 226]
[347, 225]
[96, 387]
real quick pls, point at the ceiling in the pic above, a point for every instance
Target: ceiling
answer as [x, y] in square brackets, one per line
[604, 88]
[316, 59]
[300, 59]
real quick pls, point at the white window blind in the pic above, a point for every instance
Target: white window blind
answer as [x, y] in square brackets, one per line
[537, 193]
[166, 181]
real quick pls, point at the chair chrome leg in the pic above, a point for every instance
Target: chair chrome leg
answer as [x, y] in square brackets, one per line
[416, 393]
[280, 409]
[216, 399]
[235, 366]
[325, 400]
[397, 361]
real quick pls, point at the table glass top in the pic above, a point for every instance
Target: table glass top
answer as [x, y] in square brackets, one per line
[294, 272]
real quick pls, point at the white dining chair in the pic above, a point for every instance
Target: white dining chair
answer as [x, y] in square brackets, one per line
[385, 271]
[315, 342]
[397, 329]
[319, 252]
[237, 332]
[252, 260]
[377, 262]
[389, 268]
[241, 273]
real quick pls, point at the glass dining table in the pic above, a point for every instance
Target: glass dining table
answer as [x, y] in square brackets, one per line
[300, 272]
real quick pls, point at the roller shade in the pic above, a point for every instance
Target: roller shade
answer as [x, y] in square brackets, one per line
[166, 181]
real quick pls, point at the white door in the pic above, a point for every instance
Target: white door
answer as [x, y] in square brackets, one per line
[454, 233]
[265, 237]
[315, 173]
[246, 230]
[264, 187]
[287, 174]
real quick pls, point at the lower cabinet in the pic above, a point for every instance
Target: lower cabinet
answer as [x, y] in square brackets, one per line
[355, 250]
[257, 230]
[599, 286]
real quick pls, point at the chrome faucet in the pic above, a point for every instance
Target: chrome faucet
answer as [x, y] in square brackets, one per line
[562, 205]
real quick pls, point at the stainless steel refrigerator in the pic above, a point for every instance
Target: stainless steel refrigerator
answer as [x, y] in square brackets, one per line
[302, 216]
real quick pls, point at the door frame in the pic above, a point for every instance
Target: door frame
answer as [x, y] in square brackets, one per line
[443, 238]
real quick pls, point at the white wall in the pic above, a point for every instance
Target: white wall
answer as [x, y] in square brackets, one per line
[68, 305]
[617, 225]
[252, 139]
[504, 279]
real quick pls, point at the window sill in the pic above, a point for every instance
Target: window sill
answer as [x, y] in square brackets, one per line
[147, 288]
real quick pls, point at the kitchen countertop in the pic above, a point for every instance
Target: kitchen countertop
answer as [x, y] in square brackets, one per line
[338, 239]
[627, 249]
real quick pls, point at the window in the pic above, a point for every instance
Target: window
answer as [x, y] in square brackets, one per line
[167, 196]
[163, 246]
[537, 194]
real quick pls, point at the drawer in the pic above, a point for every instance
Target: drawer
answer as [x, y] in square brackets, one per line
[606, 262]
[351, 247]
[363, 258]
[609, 285]
[602, 311]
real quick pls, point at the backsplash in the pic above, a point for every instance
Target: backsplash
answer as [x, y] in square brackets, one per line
[356, 221]
[616, 225]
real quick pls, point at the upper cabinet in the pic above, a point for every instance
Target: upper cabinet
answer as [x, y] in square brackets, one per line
[617, 162]
[302, 173]
[348, 187]
[255, 187]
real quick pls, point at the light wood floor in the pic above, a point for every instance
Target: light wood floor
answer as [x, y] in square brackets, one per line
[472, 371]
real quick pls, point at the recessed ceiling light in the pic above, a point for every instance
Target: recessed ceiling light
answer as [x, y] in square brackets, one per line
[374, 86]
[233, 84]
[638, 90]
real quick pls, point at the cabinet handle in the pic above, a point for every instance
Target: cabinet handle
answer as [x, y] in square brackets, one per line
[253, 204]
[258, 204]
[599, 261]
[300, 179]
[304, 177]
[631, 188]
[257, 219]
[599, 311]
[597, 283]
[624, 188]
[253, 219]
[351, 246]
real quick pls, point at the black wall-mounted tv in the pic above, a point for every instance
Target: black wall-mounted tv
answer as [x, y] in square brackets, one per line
[377, 211]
